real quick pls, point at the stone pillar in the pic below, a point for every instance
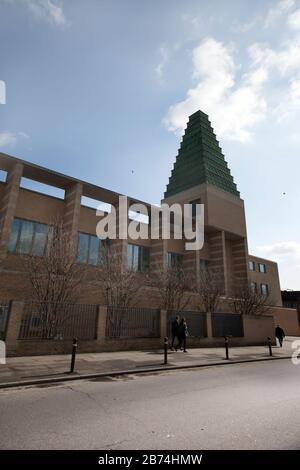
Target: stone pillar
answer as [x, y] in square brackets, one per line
[72, 211]
[216, 262]
[163, 324]
[120, 245]
[240, 263]
[101, 326]
[225, 265]
[209, 325]
[8, 205]
[158, 255]
[13, 326]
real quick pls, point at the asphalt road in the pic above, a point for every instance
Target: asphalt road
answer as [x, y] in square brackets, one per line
[244, 406]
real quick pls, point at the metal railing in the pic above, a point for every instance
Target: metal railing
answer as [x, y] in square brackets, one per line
[196, 323]
[4, 308]
[131, 322]
[58, 321]
[227, 324]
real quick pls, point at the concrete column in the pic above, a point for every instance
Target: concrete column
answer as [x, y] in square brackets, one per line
[101, 326]
[209, 325]
[216, 250]
[120, 245]
[163, 324]
[72, 211]
[13, 327]
[8, 205]
[240, 262]
[225, 265]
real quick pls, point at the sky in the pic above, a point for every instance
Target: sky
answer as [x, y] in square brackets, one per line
[102, 89]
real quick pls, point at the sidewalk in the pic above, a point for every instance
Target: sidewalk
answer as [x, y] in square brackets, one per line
[44, 369]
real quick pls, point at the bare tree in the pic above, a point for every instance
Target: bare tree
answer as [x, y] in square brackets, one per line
[248, 301]
[210, 289]
[174, 287]
[55, 279]
[118, 284]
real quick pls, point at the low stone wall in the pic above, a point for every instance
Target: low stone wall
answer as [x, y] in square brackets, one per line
[286, 318]
[256, 331]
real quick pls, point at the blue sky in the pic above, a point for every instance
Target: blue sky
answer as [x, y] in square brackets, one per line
[96, 89]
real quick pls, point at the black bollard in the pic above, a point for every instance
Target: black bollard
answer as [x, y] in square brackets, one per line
[73, 355]
[226, 347]
[270, 346]
[166, 350]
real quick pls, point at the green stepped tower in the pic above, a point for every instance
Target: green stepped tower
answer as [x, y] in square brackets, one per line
[200, 159]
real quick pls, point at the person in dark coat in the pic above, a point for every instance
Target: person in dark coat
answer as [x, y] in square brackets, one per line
[279, 333]
[174, 331]
[182, 334]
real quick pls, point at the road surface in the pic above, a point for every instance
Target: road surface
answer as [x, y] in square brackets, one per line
[243, 406]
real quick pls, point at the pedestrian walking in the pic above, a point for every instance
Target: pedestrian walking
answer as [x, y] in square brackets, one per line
[279, 333]
[182, 334]
[174, 331]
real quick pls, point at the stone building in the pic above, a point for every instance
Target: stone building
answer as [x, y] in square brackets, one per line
[200, 175]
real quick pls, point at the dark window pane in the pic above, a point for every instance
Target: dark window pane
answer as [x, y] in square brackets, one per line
[26, 235]
[14, 235]
[174, 260]
[145, 259]
[135, 258]
[83, 248]
[40, 239]
[94, 250]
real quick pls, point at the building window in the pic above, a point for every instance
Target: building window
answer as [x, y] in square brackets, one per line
[264, 289]
[252, 265]
[88, 249]
[28, 238]
[204, 264]
[253, 287]
[174, 260]
[262, 268]
[138, 257]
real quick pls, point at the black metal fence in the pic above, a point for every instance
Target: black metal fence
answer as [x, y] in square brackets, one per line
[131, 322]
[58, 321]
[196, 323]
[227, 324]
[4, 307]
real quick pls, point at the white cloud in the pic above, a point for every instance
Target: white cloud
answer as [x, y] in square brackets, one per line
[277, 11]
[50, 11]
[294, 20]
[287, 255]
[47, 10]
[164, 57]
[281, 250]
[233, 110]
[10, 139]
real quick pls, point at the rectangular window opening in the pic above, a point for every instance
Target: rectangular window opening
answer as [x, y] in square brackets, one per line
[96, 204]
[42, 188]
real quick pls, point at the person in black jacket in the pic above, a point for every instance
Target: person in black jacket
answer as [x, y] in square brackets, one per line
[182, 334]
[279, 333]
[174, 331]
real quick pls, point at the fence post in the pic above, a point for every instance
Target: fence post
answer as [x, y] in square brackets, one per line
[74, 348]
[166, 350]
[270, 346]
[226, 347]
[13, 325]
[101, 327]
[209, 324]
